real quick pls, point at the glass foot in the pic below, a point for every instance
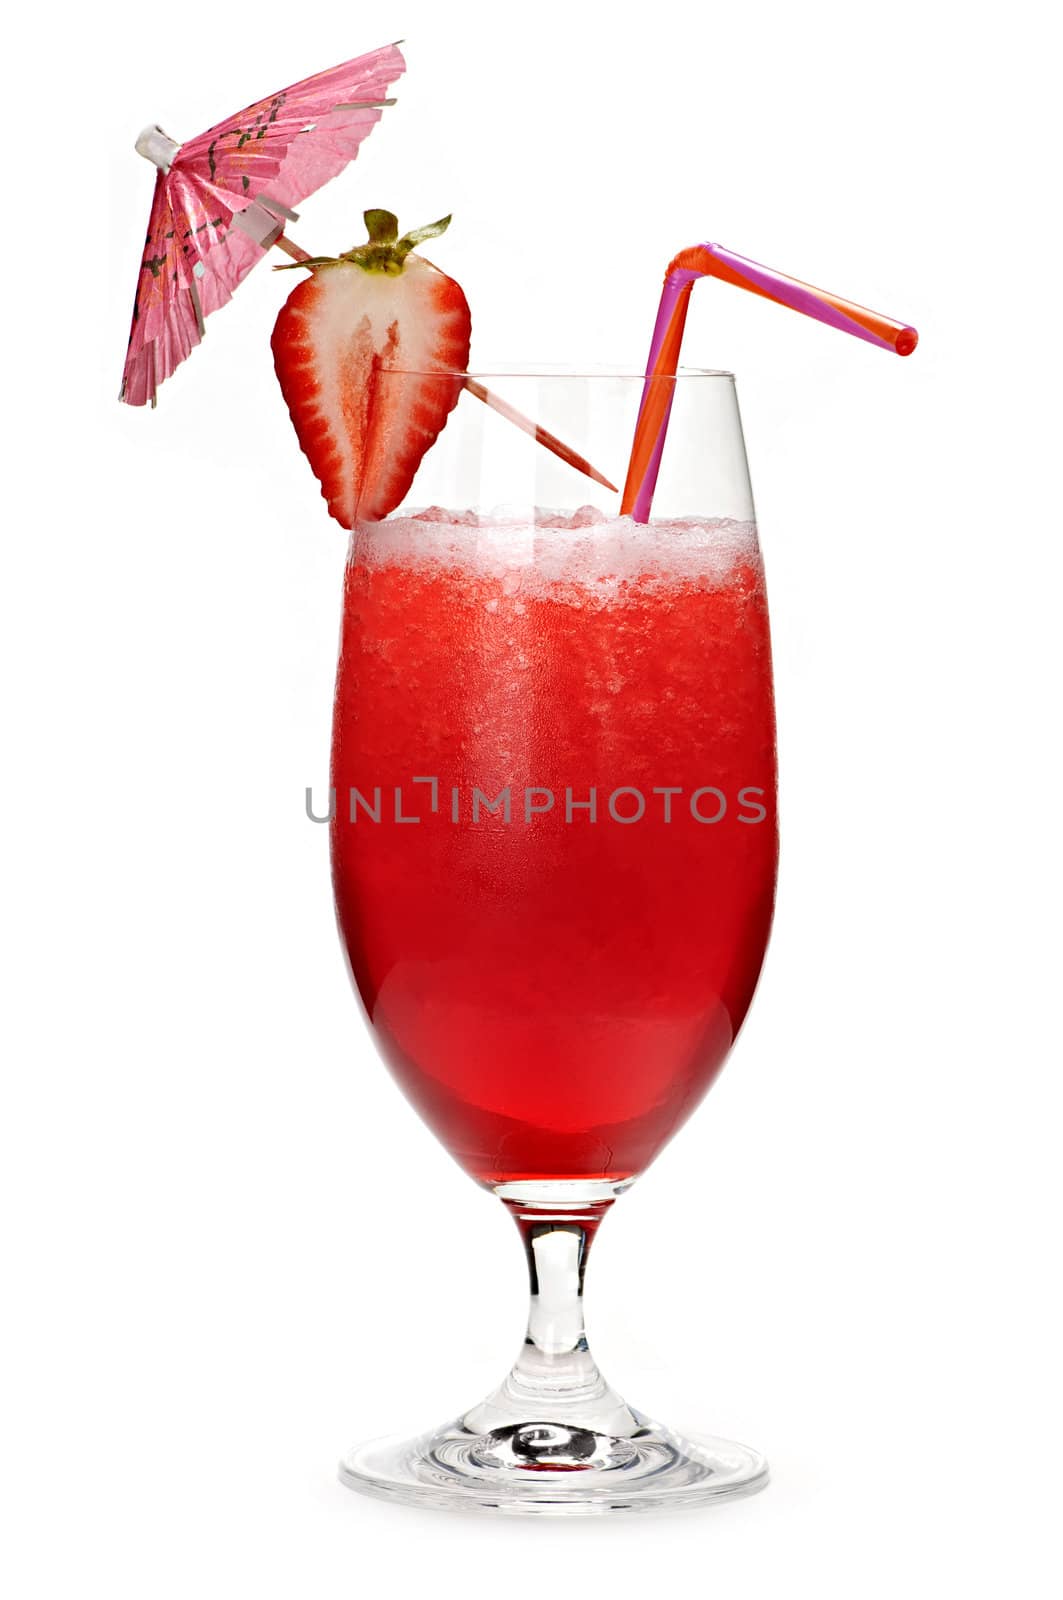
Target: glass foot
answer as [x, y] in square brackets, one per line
[550, 1469]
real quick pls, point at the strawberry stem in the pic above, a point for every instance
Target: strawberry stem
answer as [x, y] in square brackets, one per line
[384, 252]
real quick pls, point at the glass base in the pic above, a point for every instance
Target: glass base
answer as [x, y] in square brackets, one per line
[549, 1469]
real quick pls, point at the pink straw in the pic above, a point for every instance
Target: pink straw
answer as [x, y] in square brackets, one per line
[704, 260]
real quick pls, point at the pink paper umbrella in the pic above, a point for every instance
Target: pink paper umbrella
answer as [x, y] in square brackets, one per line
[223, 198]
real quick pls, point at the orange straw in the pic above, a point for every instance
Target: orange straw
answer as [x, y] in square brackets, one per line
[712, 260]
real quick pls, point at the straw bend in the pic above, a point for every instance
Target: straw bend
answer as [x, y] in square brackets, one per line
[713, 260]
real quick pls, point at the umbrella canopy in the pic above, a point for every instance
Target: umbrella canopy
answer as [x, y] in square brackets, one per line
[222, 199]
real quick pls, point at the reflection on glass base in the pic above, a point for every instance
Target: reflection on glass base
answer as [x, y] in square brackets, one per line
[548, 1469]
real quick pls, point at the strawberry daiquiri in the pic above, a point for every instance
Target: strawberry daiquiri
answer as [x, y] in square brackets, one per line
[553, 785]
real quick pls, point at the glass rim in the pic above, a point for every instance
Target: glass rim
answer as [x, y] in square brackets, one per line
[545, 371]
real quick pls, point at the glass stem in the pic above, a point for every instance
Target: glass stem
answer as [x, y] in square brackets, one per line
[554, 1359]
[555, 1378]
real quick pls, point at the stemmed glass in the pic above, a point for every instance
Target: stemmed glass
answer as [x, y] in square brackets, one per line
[554, 849]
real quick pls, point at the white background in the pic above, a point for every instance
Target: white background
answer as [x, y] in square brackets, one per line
[230, 1248]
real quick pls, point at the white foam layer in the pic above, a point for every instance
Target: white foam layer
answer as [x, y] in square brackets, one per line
[551, 550]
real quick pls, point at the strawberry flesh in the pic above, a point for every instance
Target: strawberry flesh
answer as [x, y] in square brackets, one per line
[368, 352]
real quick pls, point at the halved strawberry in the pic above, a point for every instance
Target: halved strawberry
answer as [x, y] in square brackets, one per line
[376, 308]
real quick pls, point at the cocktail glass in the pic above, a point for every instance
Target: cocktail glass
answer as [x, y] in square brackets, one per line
[554, 849]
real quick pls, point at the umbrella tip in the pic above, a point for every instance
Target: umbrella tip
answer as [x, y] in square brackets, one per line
[156, 146]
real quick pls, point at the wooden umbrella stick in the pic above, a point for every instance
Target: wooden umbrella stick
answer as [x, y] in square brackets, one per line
[296, 251]
[504, 409]
[541, 435]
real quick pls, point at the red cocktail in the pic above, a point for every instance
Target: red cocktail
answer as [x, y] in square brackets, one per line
[558, 952]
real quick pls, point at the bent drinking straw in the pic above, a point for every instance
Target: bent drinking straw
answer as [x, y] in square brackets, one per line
[712, 260]
[564, 451]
